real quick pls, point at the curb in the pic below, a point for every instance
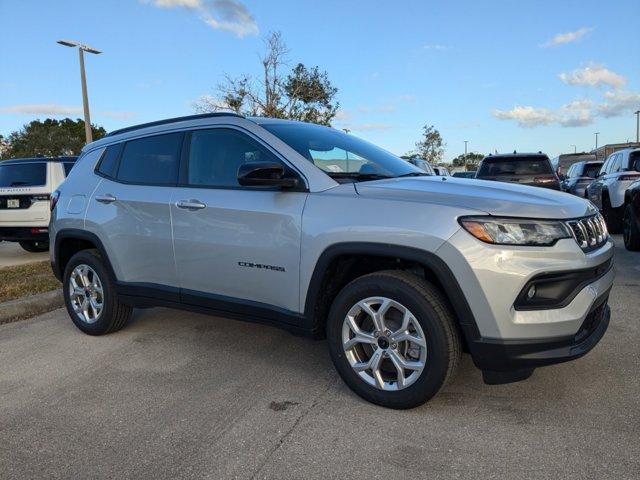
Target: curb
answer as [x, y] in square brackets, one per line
[30, 306]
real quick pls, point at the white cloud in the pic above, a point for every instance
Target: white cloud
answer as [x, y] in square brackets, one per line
[527, 116]
[593, 75]
[227, 15]
[619, 103]
[366, 127]
[386, 108]
[568, 37]
[577, 113]
[342, 115]
[176, 3]
[436, 46]
[43, 109]
[55, 110]
[407, 98]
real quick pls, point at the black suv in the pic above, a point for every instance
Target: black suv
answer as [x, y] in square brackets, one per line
[532, 169]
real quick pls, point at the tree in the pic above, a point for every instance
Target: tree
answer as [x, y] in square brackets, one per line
[50, 138]
[470, 161]
[431, 147]
[304, 94]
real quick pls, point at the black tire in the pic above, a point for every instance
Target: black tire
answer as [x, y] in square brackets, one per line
[114, 314]
[630, 230]
[612, 216]
[434, 315]
[34, 246]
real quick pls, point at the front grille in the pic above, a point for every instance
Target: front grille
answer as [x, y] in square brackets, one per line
[589, 232]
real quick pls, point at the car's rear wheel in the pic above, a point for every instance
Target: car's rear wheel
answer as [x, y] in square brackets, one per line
[90, 295]
[630, 230]
[393, 339]
[612, 216]
[34, 246]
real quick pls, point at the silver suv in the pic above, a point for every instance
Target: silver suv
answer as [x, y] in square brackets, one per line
[316, 231]
[619, 171]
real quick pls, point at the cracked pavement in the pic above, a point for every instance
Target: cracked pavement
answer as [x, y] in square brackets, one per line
[182, 395]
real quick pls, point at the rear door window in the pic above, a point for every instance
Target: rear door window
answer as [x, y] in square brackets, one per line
[23, 175]
[151, 160]
[108, 165]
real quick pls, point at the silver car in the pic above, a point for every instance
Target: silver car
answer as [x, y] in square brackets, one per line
[319, 232]
[620, 170]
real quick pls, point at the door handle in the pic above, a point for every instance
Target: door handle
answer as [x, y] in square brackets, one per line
[108, 198]
[190, 204]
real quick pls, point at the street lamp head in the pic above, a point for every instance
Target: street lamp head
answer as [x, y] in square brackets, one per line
[68, 43]
[86, 48]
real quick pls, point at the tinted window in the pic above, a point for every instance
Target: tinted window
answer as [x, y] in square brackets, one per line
[634, 161]
[591, 170]
[109, 162]
[23, 175]
[615, 165]
[492, 167]
[216, 155]
[339, 154]
[151, 160]
[67, 168]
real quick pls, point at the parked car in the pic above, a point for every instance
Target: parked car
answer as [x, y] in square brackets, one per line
[562, 163]
[533, 169]
[242, 217]
[631, 217]
[442, 171]
[25, 189]
[471, 174]
[422, 165]
[579, 176]
[607, 192]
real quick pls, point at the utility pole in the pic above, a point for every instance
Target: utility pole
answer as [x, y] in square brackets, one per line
[465, 147]
[575, 150]
[596, 149]
[637, 114]
[83, 80]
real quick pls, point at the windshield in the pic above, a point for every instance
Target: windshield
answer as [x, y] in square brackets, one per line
[23, 175]
[515, 166]
[340, 155]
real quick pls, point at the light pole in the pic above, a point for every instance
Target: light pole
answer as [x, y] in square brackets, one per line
[465, 147]
[83, 79]
[637, 114]
[575, 150]
[596, 149]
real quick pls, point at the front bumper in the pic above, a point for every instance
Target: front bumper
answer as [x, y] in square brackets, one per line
[19, 234]
[519, 358]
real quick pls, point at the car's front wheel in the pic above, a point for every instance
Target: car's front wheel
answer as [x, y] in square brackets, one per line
[393, 339]
[34, 246]
[630, 230]
[90, 295]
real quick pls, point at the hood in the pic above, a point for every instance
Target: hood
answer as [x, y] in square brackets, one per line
[494, 198]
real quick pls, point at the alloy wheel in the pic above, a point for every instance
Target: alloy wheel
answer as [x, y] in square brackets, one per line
[384, 343]
[86, 293]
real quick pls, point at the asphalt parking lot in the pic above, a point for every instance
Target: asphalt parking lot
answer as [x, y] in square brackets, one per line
[181, 395]
[12, 254]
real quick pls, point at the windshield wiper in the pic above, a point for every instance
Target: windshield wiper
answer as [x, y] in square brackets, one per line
[358, 176]
[415, 174]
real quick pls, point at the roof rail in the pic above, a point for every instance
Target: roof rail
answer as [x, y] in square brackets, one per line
[172, 120]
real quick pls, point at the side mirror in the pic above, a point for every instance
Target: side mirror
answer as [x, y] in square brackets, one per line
[264, 174]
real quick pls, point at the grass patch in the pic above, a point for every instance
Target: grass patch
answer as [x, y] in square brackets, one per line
[22, 280]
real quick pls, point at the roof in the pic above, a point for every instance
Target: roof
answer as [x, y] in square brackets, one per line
[514, 155]
[172, 120]
[14, 161]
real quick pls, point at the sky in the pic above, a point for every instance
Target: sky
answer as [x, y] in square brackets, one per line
[503, 75]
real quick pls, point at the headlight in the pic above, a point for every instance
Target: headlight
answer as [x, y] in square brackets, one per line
[515, 231]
